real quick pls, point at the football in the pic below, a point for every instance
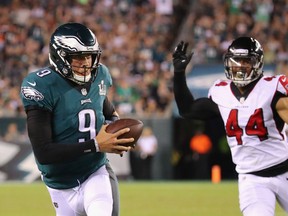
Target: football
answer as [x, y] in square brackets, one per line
[136, 128]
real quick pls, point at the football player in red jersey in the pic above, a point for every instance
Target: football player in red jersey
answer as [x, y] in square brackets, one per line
[254, 110]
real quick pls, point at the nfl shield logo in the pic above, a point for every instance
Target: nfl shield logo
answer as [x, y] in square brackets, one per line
[84, 91]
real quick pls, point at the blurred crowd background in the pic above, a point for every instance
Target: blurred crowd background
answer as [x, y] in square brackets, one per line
[137, 38]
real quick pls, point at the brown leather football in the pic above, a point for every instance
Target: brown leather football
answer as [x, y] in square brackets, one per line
[135, 125]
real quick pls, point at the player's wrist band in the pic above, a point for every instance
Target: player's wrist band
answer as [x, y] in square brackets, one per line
[96, 145]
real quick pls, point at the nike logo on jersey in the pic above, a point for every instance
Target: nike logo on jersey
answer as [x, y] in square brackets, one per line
[32, 83]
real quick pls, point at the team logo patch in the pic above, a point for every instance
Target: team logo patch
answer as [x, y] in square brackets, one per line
[284, 81]
[86, 101]
[31, 93]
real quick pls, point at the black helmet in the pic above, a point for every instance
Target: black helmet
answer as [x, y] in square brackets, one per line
[244, 61]
[73, 39]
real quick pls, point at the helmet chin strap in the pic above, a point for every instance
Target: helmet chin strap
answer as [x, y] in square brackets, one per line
[82, 79]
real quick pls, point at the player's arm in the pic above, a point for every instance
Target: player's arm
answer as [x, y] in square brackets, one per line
[46, 151]
[39, 125]
[282, 108]
[280, 99]
[109, 111]
[110, 115]
[202, 108]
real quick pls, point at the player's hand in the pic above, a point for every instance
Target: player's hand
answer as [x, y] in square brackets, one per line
[109, 143]
[180, 57]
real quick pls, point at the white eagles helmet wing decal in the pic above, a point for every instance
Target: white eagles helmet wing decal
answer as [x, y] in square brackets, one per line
[73, 43]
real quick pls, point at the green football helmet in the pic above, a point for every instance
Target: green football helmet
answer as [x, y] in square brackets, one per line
[73, 39]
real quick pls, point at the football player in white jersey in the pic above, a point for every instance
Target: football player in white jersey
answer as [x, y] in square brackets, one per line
[254, 110]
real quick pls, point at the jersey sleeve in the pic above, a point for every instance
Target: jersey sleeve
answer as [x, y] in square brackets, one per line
[282, 86]
[218, 90]
[217, 83]
[34, 91]
[103, 69]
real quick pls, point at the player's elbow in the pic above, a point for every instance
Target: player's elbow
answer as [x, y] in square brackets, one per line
[43, 157]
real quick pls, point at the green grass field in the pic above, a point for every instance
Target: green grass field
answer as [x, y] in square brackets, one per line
[153, 198]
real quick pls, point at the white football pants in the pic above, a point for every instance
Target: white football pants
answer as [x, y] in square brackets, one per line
[258, 195]
[91, 198]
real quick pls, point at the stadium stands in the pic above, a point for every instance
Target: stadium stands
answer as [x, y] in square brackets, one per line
[134, 36]
[137, 39]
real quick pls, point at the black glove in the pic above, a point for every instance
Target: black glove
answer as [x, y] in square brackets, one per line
[180, 58]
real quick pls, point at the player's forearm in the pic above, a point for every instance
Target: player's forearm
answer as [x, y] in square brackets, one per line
[202, 108]
[58, 153]
[45, 150]
[109, 111]
[183, 96]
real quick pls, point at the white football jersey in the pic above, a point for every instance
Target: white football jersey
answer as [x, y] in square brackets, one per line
[255, 134]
